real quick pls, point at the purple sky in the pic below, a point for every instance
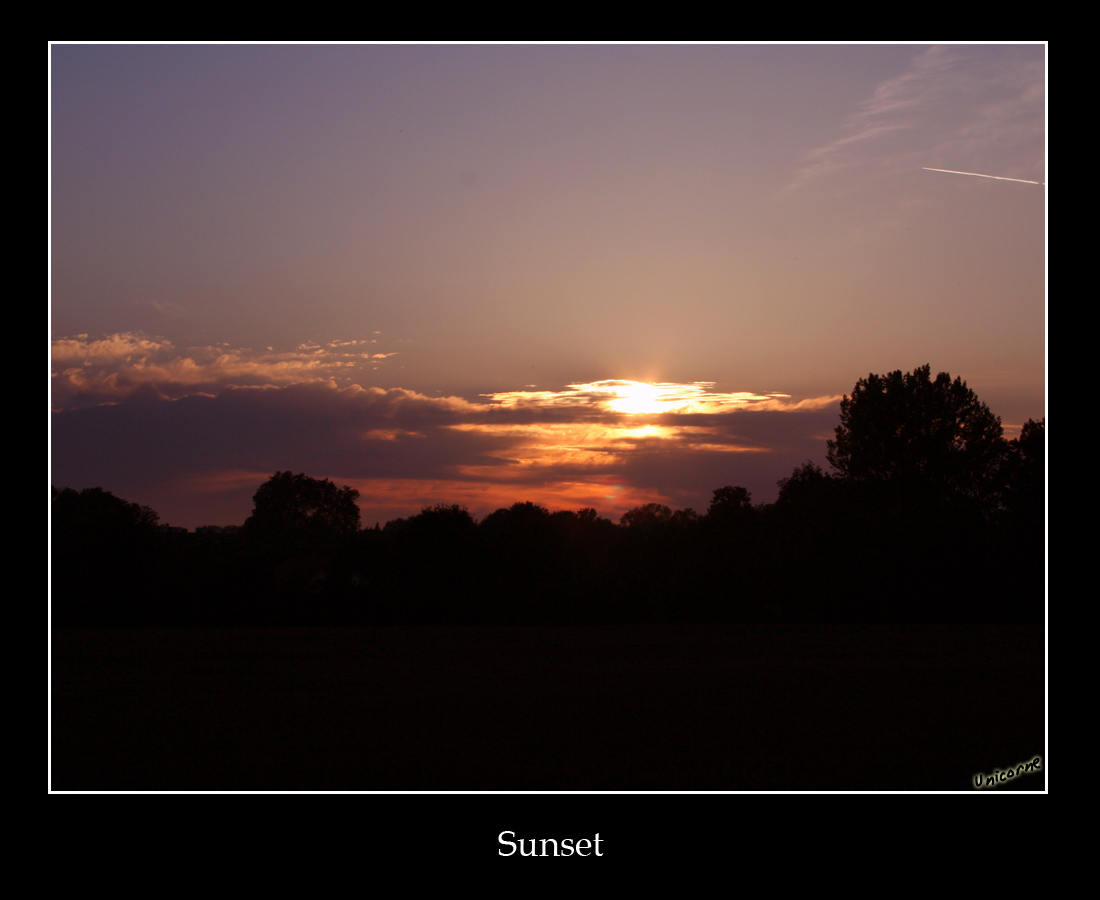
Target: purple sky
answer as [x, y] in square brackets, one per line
[429, 271]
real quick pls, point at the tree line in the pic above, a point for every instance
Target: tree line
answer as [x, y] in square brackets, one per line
[927, 514]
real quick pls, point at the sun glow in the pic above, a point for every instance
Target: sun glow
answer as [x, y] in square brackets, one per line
[639, 398]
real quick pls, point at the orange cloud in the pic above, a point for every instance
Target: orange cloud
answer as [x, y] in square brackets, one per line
[584, 445]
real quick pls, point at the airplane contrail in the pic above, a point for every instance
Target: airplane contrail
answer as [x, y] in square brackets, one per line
[980, 175]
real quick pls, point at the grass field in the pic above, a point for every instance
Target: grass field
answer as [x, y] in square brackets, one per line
[712, 708]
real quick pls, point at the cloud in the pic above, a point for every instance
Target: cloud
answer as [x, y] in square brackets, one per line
[951, 105]
[197, 458]
[635, 397]
[90, 371]
[167, 308]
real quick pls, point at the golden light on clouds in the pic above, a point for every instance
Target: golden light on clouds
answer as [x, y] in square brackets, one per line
[584, 445]
[639, 398]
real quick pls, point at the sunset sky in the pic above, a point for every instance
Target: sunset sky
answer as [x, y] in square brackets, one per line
[574, 274]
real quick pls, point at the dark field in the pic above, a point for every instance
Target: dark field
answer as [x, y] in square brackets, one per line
[725, 707]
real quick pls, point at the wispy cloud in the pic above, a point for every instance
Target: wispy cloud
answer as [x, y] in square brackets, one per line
[952, 104]
[88, 371]
[167, 308]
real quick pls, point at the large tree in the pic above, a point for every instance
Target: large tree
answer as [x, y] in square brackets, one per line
[303, 512]
[920, 433]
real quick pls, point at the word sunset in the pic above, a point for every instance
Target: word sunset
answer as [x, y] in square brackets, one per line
[548, 846]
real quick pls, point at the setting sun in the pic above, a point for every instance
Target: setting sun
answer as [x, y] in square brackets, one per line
[638, 398]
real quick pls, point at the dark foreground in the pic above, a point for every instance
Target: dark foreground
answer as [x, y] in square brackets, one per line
[682, 707]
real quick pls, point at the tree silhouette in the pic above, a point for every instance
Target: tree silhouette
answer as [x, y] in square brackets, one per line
[104, 557]
[521, 517]
[644, 517]
[94, 511]
[806, 484]
[442, 522]
[1024, 489]
[917, 433]
[730, 504]
[302, 513]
